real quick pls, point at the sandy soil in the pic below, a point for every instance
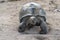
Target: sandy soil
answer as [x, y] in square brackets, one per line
[9, 23]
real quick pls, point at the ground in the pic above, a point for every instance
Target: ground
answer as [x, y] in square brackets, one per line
[9, 23]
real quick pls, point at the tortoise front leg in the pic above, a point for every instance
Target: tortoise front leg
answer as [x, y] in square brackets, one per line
[22, 27]
[43, 27]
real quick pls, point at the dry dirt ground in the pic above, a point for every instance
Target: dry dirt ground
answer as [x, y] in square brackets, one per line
[9, 22]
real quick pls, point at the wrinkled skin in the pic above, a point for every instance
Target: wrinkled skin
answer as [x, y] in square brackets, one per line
[30, 17]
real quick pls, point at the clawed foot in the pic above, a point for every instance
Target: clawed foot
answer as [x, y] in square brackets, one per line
[20, 29]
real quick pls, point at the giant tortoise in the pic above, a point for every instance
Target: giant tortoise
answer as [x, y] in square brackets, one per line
[32, 14]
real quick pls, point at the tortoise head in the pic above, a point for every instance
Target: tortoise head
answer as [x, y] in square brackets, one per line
[32, 20]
